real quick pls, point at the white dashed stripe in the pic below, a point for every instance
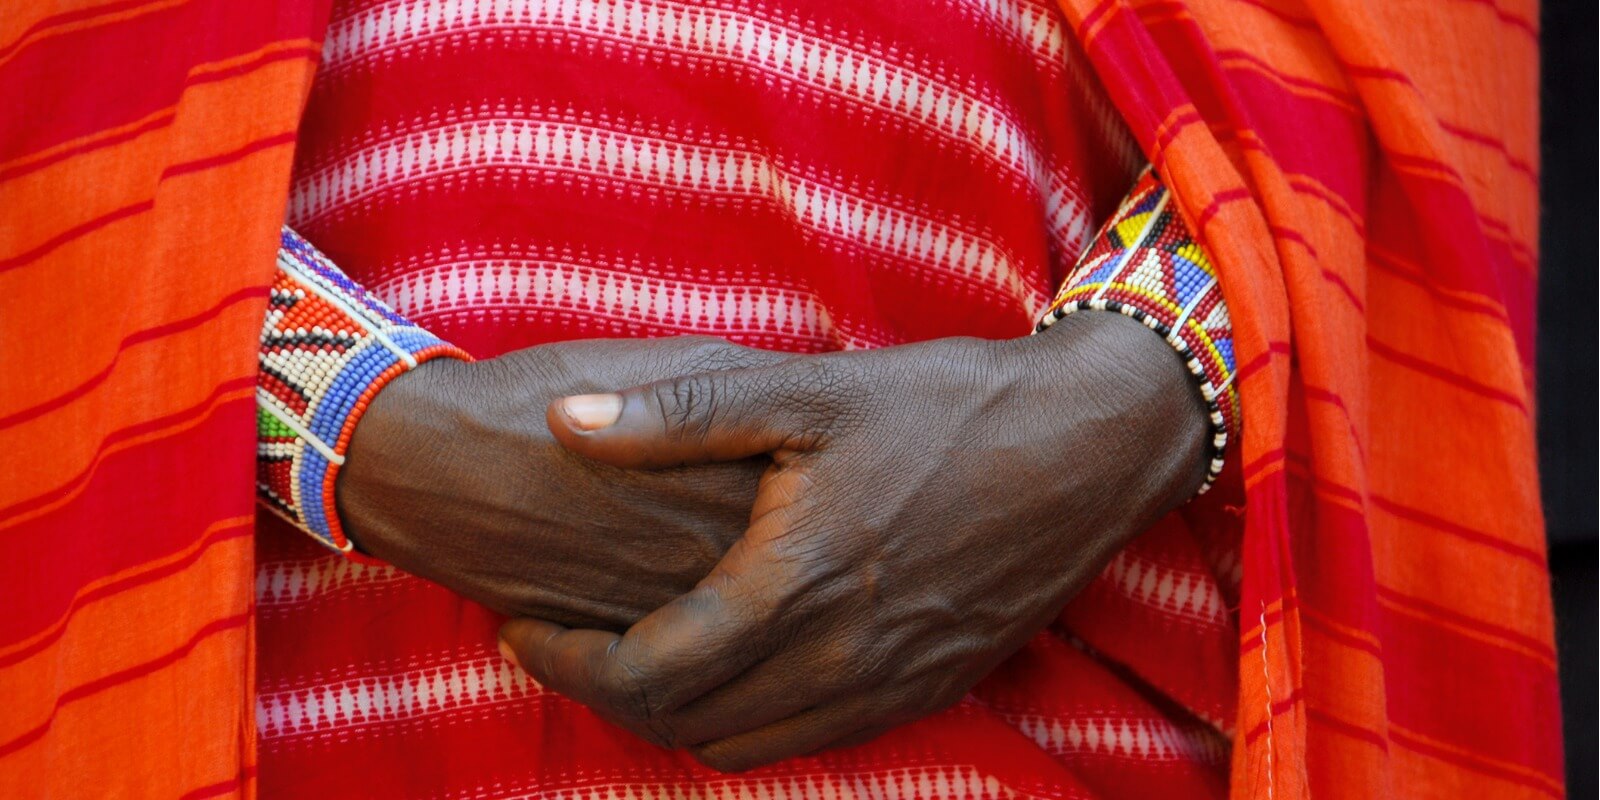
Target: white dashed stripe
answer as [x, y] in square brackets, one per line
[1191, 595]
[1035, 27]
[284, 583]
[389, 698]
[1151, 739]
[734, 39]
[917, 783]
[602, 154]
[532, 283]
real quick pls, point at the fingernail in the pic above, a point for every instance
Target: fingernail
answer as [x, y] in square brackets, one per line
[592, 411]
[505, 650]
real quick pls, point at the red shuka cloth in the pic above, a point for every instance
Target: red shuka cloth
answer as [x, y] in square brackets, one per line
[1364, 175]
[790, 174]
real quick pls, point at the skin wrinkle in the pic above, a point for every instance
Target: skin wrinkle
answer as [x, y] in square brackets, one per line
[868, 591]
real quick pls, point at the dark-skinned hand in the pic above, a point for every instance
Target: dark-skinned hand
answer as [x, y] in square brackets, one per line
[927, 510]
[452, 475]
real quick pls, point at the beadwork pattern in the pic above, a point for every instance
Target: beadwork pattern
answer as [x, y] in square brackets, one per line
[327, 347]
[1144, 264]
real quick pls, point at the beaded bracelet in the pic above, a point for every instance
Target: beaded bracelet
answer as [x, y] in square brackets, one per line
[1144, 264]
[327, 347]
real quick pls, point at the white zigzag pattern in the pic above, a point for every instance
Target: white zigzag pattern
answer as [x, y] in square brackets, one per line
[664, 164]
[1186, 594]
[1035, 27]
[388, 698]
[281, 583]
[1038, 28]
[554, 284]
[1121, 737]
[740, 39]
[1068, 217]
[921, 783]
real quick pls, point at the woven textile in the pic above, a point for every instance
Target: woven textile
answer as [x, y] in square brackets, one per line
[795, 175]
[1367, 194]
[1364, 176]
[144, 161]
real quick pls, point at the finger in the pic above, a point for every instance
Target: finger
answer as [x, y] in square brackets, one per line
[568, 662]
[776, 689]
[856, 739]
[731, 621]
[560, 659]
[715, 416]
[798, 735]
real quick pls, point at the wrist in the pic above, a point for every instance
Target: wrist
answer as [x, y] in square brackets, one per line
[1140, 396]
[406, 420]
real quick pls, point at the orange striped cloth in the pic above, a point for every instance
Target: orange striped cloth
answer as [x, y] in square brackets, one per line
[1364, 174]
[1368, 194]
[145, 150]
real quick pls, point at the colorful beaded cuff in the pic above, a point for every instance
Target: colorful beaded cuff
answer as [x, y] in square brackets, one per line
[1145, 265]
[327, 347]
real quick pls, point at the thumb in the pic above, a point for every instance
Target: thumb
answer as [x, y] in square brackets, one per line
[713, 416]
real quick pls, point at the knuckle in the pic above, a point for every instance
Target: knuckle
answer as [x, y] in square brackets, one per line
[622, 691]
[686, 407]
[825, 388]
[634, 699]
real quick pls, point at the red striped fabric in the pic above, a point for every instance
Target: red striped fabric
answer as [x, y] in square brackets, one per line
[144, 162]
[1368, 195]
[1364, 175]
[790, 174]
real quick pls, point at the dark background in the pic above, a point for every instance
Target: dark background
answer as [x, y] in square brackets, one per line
[1567, 369]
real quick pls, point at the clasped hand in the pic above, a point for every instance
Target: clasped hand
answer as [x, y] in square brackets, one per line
[921, 512]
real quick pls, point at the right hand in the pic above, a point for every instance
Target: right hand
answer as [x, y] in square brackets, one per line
[452, 475]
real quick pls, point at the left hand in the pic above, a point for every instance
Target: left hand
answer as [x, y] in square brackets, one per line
[928, 509]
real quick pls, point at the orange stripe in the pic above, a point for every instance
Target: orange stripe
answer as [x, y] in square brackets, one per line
[144, 206]
[175, 328]
[1309, 185]
[1394, 524]
[106, 588]
[119, 441]
[106, 307]
[1516, 236]
[1523, 167]
[80, 19]
[17, 25]
[1419, 561]
[155, 120]
[1480, 763]
[1456, 379]
[1303, 44]
[123, 677]
[99, 650]
[154, 378]
[1354, 637]
[183, 707]
[1306, 88]
[1482, 633]
[128, 174]
[157, 380]
[1322, 80]
[1394, 265]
